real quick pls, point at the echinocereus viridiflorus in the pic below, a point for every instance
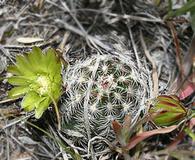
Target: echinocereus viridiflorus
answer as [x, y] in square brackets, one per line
[37, 77]
[100, 89]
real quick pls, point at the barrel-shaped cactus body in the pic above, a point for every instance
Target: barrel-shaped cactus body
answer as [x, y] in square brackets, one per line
[99, 90]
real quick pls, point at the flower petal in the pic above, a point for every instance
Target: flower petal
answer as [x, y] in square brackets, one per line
[58, 79]
[13, 69]
[42, 107]
[30, 100]
[20, 80]
[35, 57]
[24, 66]
[50, 57]
[17, 92]
[53, 63]
[56, 91]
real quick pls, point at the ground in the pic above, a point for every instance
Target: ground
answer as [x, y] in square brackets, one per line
[132, 31]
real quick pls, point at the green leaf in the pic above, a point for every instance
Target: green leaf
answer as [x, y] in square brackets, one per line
[170, 107]
[30, 101]
[17, 92]
[189, 6]
[170, 4]
[190, 133]
[43, 105]
[192, 12]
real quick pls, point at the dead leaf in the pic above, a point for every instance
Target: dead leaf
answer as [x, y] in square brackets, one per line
[29, 40]
[17, 155]
[39, 3]
[9, 112]
[182, 79]
[182, 154]
[117, 127]
[177, 47]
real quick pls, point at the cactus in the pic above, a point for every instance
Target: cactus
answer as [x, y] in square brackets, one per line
[99, 90]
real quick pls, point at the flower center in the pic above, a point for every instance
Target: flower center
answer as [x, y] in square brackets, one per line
[44, 84]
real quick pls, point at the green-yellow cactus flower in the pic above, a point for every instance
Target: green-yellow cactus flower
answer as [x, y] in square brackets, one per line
[167, 110]
[37, 77]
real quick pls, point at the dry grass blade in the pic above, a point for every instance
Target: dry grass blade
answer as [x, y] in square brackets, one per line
[154, 69]
[27, 150]
[17, 121]
[189, 59]
[85, 35]
[177, 47]
[7, 100]
[29, 40]
[124, 16]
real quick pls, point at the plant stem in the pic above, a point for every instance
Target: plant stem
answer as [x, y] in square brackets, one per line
[57, 112]
[170, 6]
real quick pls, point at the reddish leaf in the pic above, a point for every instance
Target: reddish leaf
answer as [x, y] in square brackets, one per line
[125, 131]
[187, 91]
[188, 87]
[142, 136]
[117, 127]
[127, 122]
[122, 132]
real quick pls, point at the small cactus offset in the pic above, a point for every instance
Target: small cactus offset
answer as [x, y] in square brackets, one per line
[99, 90]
